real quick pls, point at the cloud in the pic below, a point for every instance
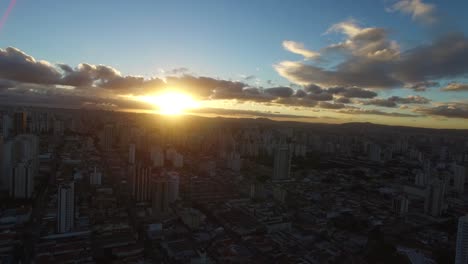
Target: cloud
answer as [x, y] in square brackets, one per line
[298, 48]
[371, 42]
[352, 92]
[5, 84]
[15, 65]
[443, 58]
[357, 111]
[328, 105]
[250, 113]
[455, 87]
[393, 101]
[450, 110]
[280, 91]
[421, 86]
[320, 96]
[418, 10]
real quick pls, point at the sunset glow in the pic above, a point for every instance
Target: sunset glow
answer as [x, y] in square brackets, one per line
[171, 102]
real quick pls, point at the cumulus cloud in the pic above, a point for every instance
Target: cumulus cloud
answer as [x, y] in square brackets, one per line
[455, 87]
[298, 48]
[371, 42]
[421, 86]
[443, 58]
[393, 101]
[451, 110]
[418, 10]
[328, 105]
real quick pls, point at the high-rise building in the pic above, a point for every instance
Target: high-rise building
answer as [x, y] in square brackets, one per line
[177, 160]
[435, 197]
[21, 149]
[459, 173]
[22, 182]
[400, 205]
[157, 157]
[19, 123]
[282, 163]
[160, 195]
[65, 207]
[131, 153]
[461, 255]
[108, 137]
[374, 152]
[174, 179]
[7, 126]
[421, 178]
[96, 177]
[141, 184]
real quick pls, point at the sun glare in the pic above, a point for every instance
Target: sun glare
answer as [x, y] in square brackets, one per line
[171, 103]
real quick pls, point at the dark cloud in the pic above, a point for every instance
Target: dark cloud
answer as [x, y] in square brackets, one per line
[250, 113]
[357, 111]
[328, 105]
[455, 87]
[5, 84]
[305, 102]
[343, 100]
[320, 96]
[421, 86]
[180, 70]
[451, 110]
[18, 66]
[369, 65]
[393, 101]
[280, 91]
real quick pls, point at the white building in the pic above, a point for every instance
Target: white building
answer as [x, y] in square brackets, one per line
[65, 207]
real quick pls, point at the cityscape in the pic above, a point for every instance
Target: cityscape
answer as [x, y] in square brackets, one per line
[232, 132]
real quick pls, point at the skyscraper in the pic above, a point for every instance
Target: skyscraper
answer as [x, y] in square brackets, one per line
[141, 185]
[282, 163]
[22, 182]
[7, 126]
[108, 137]
[131, 154]
[65, 207]
[160, 195]
[461, 255]
[459, 173]
[19, 123]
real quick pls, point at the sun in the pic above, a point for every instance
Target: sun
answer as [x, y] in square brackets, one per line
[171, 102]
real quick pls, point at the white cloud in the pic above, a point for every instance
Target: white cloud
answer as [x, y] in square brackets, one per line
[298, 48]
[418, 10]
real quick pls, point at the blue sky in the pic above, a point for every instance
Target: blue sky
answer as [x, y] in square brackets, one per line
[218, 39]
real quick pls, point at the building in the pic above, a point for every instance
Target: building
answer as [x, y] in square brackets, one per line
[374, 152]
[65, 207]
[174, 180]
[131, 154]
[141, 185]
[7, 126]
[459, 173]
[108, 137]
[177, 160]
[160, 195]
[435, 197]
[20, 123]
[400, 205]
[22, 182]
[157, 157]
[95, 178]
[282, 163]
[461, 255]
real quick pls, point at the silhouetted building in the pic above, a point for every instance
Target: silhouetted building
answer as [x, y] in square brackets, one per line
[282, 163]
[461, 255]
[65, 207]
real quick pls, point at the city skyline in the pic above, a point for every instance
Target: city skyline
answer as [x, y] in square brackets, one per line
[386, 62]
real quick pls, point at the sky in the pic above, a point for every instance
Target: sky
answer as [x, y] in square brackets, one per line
[397, 62]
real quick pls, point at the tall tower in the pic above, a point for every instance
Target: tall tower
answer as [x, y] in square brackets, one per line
[66, 207]
[461, 255]
[282, 163]
[131, 154]
[459, 178]
[108, 137]
[141, 185]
